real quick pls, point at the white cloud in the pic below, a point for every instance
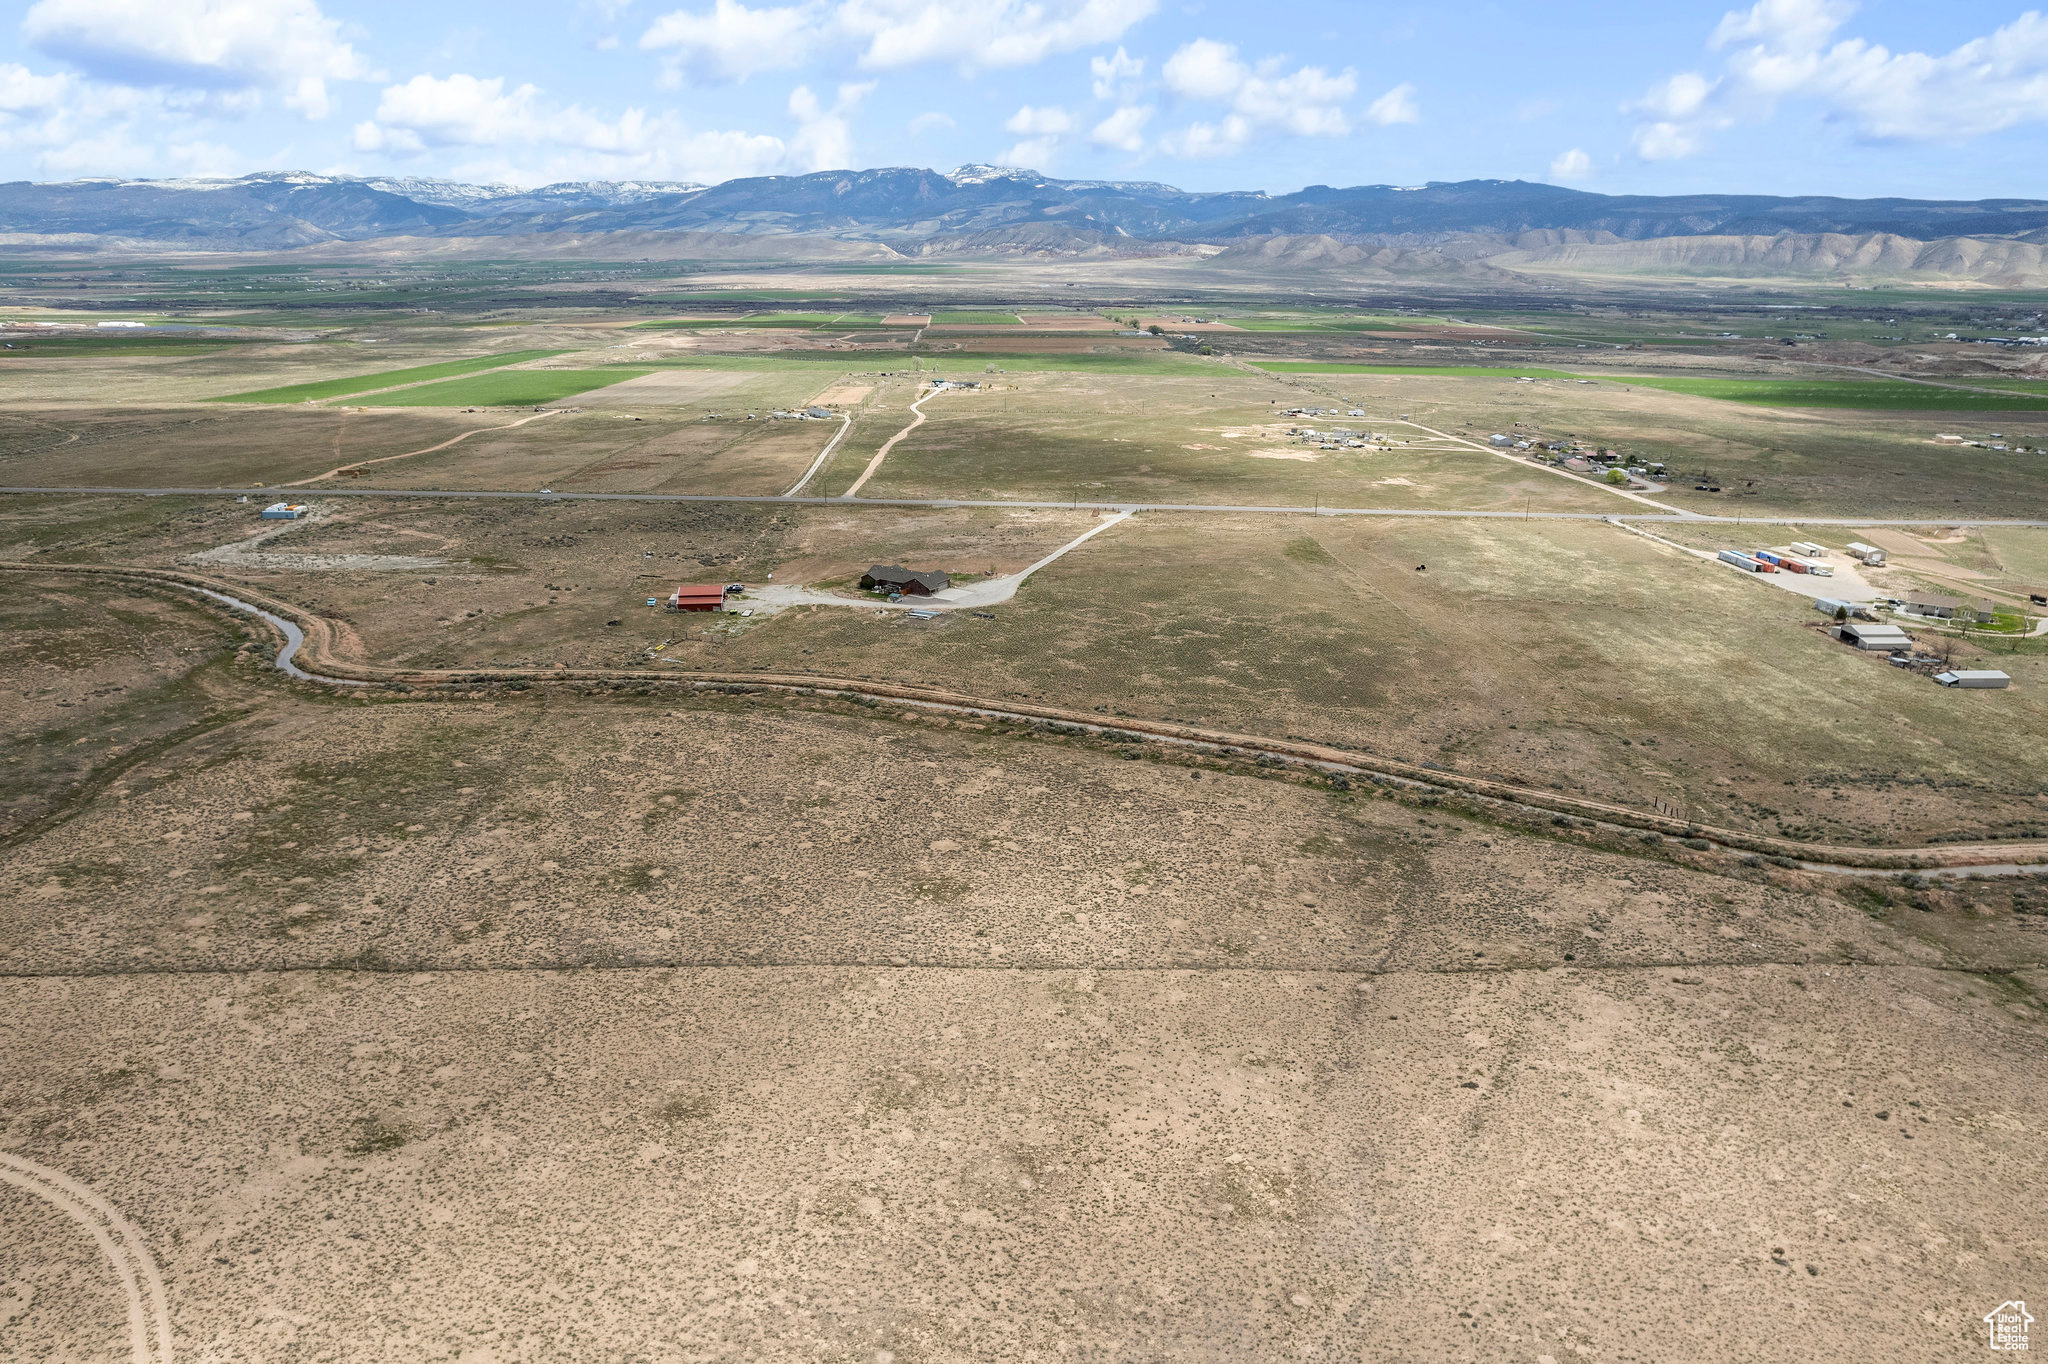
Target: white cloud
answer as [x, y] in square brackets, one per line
[993, 33]
[1051, 121]
[732, 40]
[931, 121]
[824, 138]
[1572, 165]
[224, 48]
[1206, 69]
[1396, 106]
[1787, 49]
[1307, 102]
[1801, 25]
[22, 91]
[1040, 132]
[453, 111]
[66, 126]
[1033, 153]
[1668, 141]
[1209, 139]
[521, 129]
[1117, 77]
[1681, 96]
[1124, 130]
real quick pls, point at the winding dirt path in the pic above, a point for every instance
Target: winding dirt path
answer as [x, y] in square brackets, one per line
[890, 444]
[845, 425]
[319, 637]
[386, 459]
[149, 1315]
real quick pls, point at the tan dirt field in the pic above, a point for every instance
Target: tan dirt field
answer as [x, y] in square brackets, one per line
[545, 1027]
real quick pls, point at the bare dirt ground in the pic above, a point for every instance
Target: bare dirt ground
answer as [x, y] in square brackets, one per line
[549, 1027]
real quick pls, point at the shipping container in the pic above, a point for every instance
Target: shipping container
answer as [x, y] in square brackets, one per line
[1741, 560]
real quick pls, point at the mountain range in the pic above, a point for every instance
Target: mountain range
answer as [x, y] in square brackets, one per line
[993, 210]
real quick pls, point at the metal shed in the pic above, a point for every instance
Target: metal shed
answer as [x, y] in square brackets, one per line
[1873, 635]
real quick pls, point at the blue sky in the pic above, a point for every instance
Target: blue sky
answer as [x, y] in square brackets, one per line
[1787, 96]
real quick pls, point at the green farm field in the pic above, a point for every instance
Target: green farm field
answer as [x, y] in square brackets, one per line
[1868, 394]
[1863, 394]
[516, 388]
[390, 378]
[1415, 371]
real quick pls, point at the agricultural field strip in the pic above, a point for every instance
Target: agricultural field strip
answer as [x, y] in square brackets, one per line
[326, 390]
[1755, 390]
[944, 503]
[1912, 379]
[507, 388]
[316, 631]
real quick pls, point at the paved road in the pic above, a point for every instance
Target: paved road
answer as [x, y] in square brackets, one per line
[1015, 504]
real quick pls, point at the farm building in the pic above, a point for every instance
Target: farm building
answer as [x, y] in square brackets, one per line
[697, 597]
[1942, 607]
[1989, 678]
[1877, 636]
[918, 584]
[284, 511]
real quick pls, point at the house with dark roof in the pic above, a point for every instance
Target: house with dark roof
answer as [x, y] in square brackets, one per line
[922, 583]
[1942, 607]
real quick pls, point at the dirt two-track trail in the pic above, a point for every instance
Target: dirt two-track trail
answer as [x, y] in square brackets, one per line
[314, 635]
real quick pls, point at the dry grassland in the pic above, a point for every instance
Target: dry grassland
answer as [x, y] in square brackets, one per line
[549, 1027]
[1572, 656]
[1767, 460]
[1173, 439]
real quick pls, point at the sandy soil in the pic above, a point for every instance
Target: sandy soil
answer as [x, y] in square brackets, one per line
[553, 1027]
[909, 1164]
